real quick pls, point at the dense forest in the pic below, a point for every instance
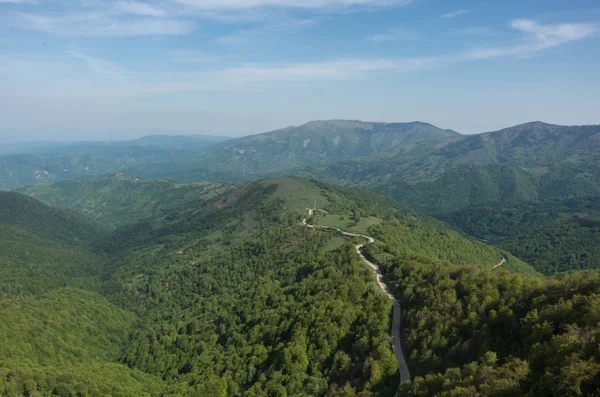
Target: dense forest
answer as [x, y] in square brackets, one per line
[217, 290]
[553, 236]
[227, 297]
[474, 332]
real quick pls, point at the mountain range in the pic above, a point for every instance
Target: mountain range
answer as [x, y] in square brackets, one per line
[431, 169]
[408, 161]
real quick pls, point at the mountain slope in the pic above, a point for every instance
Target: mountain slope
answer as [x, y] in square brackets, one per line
[527, 162]
[65, 343]
[121, 199]
[428, 168]
[553, 235]
[534, 144]
[62, 225]
[277, 151]
[58, 335]
[42, 248]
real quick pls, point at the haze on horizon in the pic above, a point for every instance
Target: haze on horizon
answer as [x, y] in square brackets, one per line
[125, 69]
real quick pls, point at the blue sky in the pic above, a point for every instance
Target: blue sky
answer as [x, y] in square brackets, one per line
[116, 68]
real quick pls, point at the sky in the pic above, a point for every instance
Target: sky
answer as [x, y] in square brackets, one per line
[107, 69]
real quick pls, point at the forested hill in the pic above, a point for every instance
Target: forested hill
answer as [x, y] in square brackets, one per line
[120, 199]
[211, 297]
[533, 144]
[414, 163]
[43, 248]
[64, 225]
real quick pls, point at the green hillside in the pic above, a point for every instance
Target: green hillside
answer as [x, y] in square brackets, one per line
[122, 199]
[63, 327]
[463, 187]
[43, 248]
[62, 225]
[554, 235]
[57, 336]
[30, 264]
[29, 169]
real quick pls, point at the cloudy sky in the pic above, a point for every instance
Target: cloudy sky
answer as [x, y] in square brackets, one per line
[108, 68]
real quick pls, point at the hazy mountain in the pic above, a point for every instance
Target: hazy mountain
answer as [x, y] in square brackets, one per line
[47, 162]
[44, 148]
[28, 169]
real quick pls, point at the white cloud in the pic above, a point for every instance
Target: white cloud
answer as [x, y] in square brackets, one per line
[219, 77]
[248, 4]
[262, 76]
[545, 36]
[103, 24]
[455, 14]
[538, 37]
[394, 34]
[137, 8]
[244, 36]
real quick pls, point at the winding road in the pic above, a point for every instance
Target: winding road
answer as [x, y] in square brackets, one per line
[396, 341]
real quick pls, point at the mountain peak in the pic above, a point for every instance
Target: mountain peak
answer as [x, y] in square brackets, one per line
[336, 123]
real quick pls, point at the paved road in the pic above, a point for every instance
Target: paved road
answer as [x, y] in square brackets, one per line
[396, 341]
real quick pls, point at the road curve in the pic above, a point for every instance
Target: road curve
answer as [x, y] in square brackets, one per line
[396, 341]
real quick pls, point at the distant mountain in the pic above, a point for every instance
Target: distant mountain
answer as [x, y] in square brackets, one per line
[26, 147]
[278, 151]
[431, 169]
[157, 146]
[176, 141]
[45, 148]
[47, 162]
[29, 169]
